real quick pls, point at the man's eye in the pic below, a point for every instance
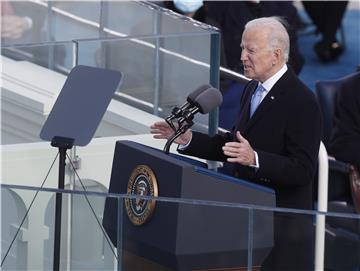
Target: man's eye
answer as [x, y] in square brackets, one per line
[249, 50]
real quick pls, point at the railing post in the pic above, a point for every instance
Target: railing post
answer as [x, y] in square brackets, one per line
[214, 81]
[119, 233]
[250, 239]
[322, 207]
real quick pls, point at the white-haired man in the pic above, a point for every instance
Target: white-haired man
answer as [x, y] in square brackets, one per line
[275, 140]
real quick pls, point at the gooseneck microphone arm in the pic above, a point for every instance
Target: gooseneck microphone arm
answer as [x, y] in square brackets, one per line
[204, 101]
[184, 123]
[176, 134]
[171, 124]
[178, 112]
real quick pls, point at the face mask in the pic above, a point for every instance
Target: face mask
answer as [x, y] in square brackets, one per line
[188, 6]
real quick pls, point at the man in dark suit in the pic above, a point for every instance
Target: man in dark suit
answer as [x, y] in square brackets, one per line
[275, 144]
[345, 141]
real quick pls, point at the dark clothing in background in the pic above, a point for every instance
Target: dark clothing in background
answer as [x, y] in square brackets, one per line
[345, 142]
[327, 16]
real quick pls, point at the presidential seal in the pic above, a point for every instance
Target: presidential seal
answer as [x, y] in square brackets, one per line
[142, 182]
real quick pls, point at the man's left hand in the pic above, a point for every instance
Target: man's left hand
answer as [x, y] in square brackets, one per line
[240, 152]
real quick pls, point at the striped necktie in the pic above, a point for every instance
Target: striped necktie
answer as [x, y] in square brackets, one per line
[256, 98]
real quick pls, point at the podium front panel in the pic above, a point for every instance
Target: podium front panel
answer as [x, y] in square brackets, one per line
[183, 235]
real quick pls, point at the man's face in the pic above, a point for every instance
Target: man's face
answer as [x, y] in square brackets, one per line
[260, 62]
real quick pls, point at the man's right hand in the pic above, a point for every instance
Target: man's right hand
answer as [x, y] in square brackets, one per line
[162, 130]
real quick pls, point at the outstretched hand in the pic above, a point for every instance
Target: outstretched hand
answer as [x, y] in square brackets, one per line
[240, 152]
[12, 27]
[162, 130]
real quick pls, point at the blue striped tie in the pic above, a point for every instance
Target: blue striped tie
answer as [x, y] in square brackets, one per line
[256, 98]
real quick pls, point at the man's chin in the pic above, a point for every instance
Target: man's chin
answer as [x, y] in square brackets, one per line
[248, 74]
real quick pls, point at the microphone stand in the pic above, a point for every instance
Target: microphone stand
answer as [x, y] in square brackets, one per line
[170, 123]
[179, 132]
[188, 118]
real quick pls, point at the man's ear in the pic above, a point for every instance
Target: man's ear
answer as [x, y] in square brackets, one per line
[277, 55]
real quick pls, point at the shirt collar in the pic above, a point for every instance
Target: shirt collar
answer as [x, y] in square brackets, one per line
[269, 83]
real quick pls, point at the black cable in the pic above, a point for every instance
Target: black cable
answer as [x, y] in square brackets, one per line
[92, 209]
[27, 211]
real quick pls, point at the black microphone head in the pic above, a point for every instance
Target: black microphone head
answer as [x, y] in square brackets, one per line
[208, 100]
[193, 95]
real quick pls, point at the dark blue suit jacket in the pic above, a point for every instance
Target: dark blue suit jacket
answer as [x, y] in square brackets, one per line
[285, 131]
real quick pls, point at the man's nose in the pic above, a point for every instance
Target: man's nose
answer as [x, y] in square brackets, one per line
[243, 55]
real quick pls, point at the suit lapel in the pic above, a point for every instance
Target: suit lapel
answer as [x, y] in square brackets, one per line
[268, 102]
[264, 106]
[245, 107]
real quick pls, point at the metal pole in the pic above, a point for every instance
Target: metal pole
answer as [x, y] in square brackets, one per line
[214, 81]
[72, 179]
[156, 66]
[119, 233]
[75, 53]
[250, 239]
[50, 36]
[214, 78]
[58, 205]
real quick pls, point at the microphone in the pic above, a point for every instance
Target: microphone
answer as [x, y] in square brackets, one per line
[208, 100]
[203, 103]
[190, 101]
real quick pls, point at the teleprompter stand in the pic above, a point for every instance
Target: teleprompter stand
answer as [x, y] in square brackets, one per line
[63, 144]
[73, 121]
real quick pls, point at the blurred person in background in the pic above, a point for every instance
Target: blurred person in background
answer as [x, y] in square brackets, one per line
[192, 8]
[24, 22]
[345, 141]
[13, 26]
[327, 17]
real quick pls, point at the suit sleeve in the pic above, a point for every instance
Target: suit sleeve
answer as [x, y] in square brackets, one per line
[210, 148]
[206, 147]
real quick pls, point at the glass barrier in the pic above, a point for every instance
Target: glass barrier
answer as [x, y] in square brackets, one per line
[159, 72]
[162, 55]
[32, 77]
[169, 234]
[83, 244]
[56, 56]
[25, 22]
[150, 19]
[57, 21]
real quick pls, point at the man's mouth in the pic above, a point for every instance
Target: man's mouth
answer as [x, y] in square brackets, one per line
[246, 67]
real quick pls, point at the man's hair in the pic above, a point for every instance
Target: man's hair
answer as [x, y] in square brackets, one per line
[277, 33]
